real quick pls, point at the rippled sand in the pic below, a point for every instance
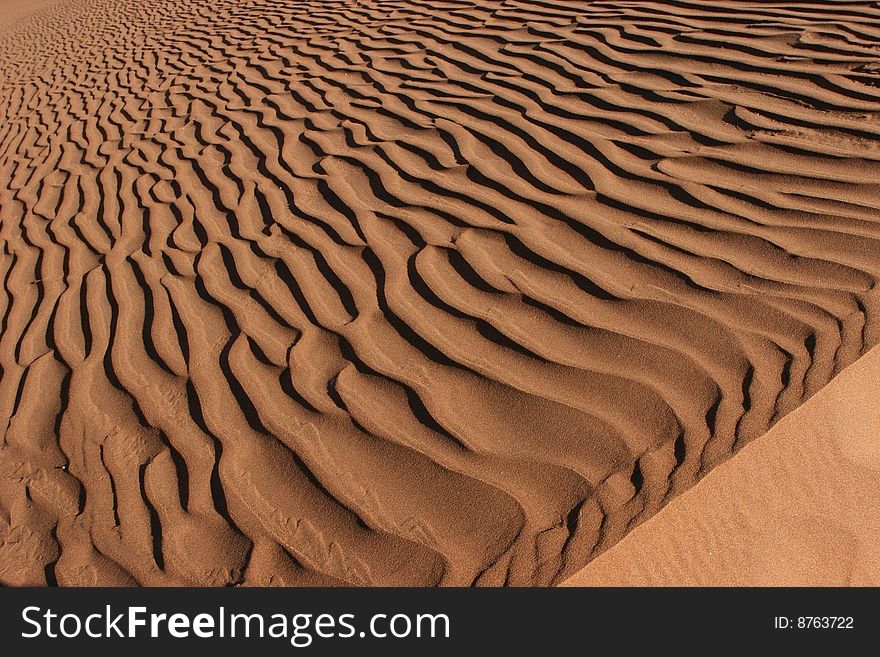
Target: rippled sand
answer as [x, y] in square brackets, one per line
[412, 293]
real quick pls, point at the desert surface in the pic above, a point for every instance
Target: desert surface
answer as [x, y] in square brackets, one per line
[435, 293]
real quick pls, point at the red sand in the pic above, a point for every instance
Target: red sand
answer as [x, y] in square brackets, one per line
[412, 293]
[797, 507]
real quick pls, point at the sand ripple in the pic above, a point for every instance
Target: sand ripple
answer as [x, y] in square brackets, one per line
[412, 293]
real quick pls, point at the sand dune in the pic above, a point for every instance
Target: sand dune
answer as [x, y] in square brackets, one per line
[412, 293]
[797, 507]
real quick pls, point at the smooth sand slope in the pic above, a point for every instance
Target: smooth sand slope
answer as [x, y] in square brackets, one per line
[412, 293]
[797, 507]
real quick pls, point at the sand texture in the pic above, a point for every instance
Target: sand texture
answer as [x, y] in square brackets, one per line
[404, 292]
[797, 507]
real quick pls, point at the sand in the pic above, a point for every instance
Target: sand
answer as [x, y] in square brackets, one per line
[412, 293]
[796, 507]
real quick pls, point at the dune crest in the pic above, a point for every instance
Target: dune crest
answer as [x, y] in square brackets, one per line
[412, 293]
[796, 507]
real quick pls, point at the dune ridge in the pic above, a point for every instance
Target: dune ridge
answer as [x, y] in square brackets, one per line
[794, 508]
[412, 293]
